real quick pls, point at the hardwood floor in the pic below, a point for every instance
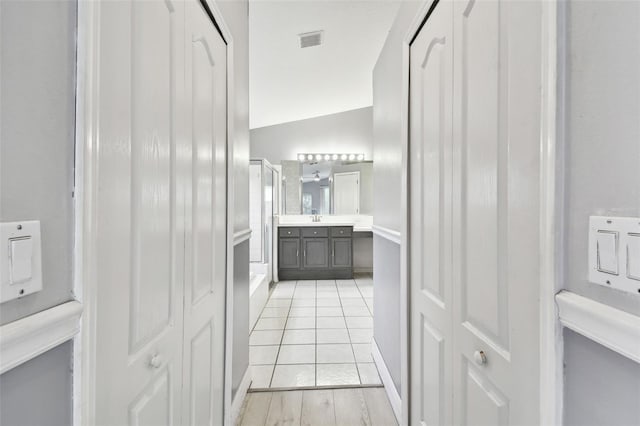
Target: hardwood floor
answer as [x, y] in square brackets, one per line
[322, 407]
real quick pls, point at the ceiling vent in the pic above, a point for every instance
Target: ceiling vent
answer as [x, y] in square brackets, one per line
[310, 39]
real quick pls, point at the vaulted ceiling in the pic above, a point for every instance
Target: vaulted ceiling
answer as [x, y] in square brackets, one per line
[288, 83]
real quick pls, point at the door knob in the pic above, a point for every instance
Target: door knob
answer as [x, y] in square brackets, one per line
[480, 357]
[155, 361]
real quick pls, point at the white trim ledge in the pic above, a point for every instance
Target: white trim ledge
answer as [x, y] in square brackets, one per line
[387, 234]
[608, 326]
[29, 337]
[241, 393]
[241, 236]
[387, 381]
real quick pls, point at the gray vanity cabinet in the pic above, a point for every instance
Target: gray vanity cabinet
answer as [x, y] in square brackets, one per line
[315, 253]
[341, 252]
[289, 257]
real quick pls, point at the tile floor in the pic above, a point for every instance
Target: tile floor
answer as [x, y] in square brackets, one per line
[315, 333]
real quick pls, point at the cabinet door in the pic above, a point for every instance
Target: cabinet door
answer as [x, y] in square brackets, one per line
[341, 252]
[289, 253]
[315, 253]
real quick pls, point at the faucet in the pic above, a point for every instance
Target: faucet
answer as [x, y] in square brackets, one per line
[316, 218]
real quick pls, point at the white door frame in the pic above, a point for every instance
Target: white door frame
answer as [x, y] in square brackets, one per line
[84, 288]
[551, 344]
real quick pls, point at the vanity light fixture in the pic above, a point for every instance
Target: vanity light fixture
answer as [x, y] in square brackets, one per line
[303, 157]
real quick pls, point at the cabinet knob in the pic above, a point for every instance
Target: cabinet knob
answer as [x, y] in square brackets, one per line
[155, 361]
[479, 357]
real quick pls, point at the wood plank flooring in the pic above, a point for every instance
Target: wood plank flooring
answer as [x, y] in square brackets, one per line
[322, 407]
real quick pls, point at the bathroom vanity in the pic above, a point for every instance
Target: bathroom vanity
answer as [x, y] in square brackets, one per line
[315, 251]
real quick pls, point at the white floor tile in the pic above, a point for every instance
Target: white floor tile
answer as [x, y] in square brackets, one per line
[326, 283]
[356, 311]
[299, 337]
[297, 354]
[349, 293]
[330, 322]
[328, 302]
[263, 355]
[298, 323]
[303, 303]
[359, 322]
[369, 374]
[270, 323]
[278, 303]
[306, 283]
[366, 292]
[334, 354]
[304, 294]
[275, 312]
[353, 302]
[362, 352]
[337, 374]
[282, 294]
[285, 376]
[332, 336]
[345, 283]
[261, 376]
[265, 337]
[361, 335]
[302, 312]
[330, 312]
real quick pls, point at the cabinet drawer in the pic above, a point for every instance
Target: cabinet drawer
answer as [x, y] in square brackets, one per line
[315, 232]
[341, 231]
[289, 232]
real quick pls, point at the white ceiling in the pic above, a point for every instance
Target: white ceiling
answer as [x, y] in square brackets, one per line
[288, 83]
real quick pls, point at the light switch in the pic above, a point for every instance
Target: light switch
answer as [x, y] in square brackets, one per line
[614, 253]
[20, 259]
[21, 253]
[607, 242]
[633, 256]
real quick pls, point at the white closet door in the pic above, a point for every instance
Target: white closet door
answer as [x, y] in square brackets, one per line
[496, 224]
[206, 201]
[430, 167]
[346, 193]
[139, 200]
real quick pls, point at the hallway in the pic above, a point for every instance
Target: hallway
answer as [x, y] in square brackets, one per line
[337, 407]
[315, 333]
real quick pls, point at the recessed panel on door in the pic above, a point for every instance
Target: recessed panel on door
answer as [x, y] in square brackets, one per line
[152, 178]
[201, 373]
[484, 404]
[154, 405]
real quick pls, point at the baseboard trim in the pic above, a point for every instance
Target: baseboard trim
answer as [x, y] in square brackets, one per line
[241, 236]
[387, 234]
[608, 326]
[26, 338]
[387, 381]
[236, 405]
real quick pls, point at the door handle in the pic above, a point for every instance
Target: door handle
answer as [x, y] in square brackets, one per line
[480, 358]
[155, 361]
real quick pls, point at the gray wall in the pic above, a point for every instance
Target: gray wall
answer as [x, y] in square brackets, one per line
[388, 184]
[602, 387]
[38, 392]
[349, 131]
[37, 124]
[602, 178]
[236, 16]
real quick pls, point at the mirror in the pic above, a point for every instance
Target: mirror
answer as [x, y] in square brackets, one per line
[327, 187]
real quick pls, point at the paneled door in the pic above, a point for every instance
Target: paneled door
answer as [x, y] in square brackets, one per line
[430, 154]
[159, 195]
[474, 189]
[346, 193]
[496, 133]
[205, 257]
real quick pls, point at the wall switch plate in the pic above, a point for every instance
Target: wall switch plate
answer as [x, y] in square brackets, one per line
[20, 259]
[614, 252]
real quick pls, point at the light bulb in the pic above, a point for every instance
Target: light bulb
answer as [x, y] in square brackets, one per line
[309, 157]
[343, 157]
[335, 157]
[327, 157]
[352, 157]
[318, 157]
[301, 157]
[360, 157]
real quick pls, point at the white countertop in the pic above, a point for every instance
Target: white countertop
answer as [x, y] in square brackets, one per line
[360, 223]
